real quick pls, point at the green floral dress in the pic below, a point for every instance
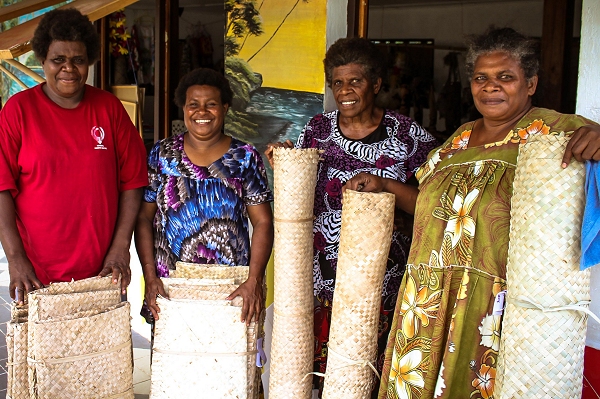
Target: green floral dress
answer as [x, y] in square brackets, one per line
[445, 336]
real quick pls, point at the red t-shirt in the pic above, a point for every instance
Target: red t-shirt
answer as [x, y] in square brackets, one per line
[65, 169]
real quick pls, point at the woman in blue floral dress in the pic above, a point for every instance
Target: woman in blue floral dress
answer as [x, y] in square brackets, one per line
[203, 187]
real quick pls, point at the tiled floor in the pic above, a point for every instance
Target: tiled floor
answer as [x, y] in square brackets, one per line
[141, 351]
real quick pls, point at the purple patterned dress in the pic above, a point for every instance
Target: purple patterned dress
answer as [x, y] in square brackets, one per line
[394, 150]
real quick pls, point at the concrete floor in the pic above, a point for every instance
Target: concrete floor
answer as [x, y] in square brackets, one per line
[140, 332]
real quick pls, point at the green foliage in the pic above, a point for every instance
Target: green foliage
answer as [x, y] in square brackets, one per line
[243, 19]
[239, 126]
[242, 81]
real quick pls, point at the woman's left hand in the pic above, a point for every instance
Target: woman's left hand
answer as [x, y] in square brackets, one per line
[117, 263]
[251, 292]
[584, 145]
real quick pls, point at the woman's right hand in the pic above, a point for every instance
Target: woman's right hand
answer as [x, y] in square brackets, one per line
[270, 146]
[365, 182]
[154, 287]
[23, 279]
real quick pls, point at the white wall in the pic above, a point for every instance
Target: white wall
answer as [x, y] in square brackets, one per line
[588, 104]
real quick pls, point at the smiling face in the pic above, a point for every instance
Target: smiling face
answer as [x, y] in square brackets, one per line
[501, 91]
[66, 69]
[204, 113]
[354, 93]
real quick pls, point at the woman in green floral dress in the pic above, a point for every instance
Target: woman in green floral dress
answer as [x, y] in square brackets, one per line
[445, 335]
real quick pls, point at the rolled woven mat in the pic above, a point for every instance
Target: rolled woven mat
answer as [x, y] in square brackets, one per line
[542, 343]
[292, 345]
[84, 357]
[199, 349]
[365, 239]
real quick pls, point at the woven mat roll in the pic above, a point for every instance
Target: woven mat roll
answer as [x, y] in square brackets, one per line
[365, 239]
[292, 346]
[17, 386]
[199, 349]
[86, 357]
[541, 353]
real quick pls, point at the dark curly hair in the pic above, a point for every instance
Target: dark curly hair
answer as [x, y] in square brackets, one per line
[67, 25]
[203, 77]
[354, 50]
[523, 49]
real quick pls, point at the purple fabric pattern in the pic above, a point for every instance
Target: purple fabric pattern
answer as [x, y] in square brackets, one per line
[396, 155]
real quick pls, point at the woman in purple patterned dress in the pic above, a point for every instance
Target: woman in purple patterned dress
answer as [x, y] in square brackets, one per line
[371, 145]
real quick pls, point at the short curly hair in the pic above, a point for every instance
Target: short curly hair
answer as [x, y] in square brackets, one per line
[203, 77]
[67, 25]
[523, 49]
[354, 50]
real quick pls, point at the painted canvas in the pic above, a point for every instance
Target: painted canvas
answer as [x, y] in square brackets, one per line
[274, 52]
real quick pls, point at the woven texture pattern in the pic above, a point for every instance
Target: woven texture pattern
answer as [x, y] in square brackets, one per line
[200, 345]
[79, 341]
[365, 238]
[213, 272]
[194, 351]
[58, 305]
[541, 353]
[17, 386]
[294, 176]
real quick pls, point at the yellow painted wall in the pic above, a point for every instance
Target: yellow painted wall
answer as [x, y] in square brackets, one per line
[293, 59]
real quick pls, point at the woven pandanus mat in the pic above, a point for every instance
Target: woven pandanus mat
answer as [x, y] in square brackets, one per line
[18, 311]
[541, 349]
[203, 271]
[207, 291]
[17, 386]
[85, 285]
[365, 239]
[84, 357]
[292, 345]
[199, 349]
[47, 306]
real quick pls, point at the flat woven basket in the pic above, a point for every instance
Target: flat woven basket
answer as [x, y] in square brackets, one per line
[79, 341]
[17, 386]
[204, 291]
[292, 346]
[199, 348]
[365, 239]
[213, 272]
[541, 348]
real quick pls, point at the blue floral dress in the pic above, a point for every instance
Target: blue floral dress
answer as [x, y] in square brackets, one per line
[202, 211]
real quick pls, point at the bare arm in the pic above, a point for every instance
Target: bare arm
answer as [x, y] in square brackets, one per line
[22, 275]
[116, 260]
[406, 195]
[144, 244]
[251, 290]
